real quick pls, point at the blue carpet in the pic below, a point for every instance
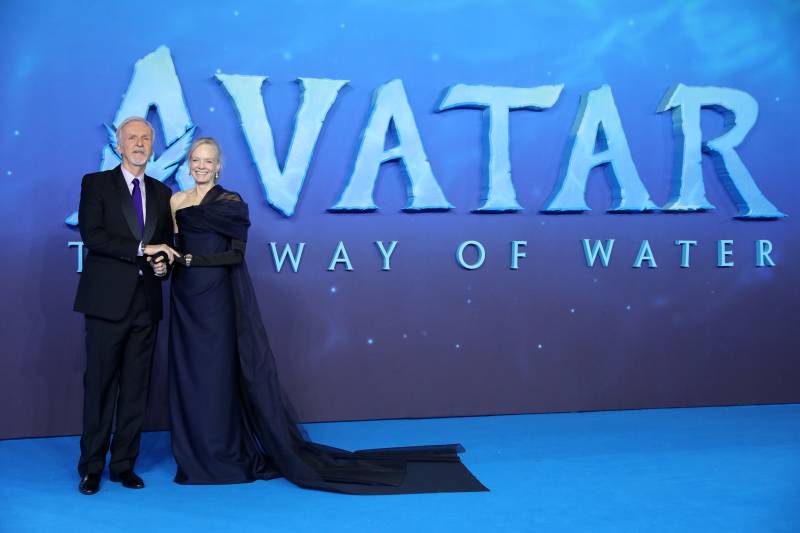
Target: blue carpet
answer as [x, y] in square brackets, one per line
[733, 469]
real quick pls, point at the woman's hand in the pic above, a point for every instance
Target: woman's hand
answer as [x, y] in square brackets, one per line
[159, 265]
[153, 249]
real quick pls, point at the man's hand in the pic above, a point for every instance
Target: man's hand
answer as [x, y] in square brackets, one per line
[153, 249]
[159, 265]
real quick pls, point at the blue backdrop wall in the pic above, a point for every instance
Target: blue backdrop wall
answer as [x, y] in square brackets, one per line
[432, 336]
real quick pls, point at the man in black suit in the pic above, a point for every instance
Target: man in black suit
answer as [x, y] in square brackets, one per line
[124, 219]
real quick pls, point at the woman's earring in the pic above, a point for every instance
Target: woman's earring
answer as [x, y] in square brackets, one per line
[216, 176]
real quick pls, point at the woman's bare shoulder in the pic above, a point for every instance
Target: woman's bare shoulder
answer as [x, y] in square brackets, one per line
[177, 198]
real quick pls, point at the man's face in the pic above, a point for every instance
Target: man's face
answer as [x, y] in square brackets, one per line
[136, 143]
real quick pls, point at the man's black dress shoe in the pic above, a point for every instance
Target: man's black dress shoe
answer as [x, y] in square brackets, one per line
[90, 484]
[129, 480]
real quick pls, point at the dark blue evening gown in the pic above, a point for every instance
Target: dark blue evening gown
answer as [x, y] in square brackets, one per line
[231, 421]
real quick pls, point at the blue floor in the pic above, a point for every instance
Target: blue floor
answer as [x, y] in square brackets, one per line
[732, 469]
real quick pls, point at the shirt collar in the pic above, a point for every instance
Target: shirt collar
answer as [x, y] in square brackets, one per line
[129, 177]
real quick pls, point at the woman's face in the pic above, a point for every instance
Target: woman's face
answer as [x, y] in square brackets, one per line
[204, 164]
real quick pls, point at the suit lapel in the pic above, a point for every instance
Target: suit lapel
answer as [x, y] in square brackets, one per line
[151, 218]
[127, 204]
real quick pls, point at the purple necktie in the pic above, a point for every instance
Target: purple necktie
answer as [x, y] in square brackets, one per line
[136, 196]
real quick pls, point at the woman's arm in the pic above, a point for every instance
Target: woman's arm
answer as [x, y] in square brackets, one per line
[175, 201]
[234, 256]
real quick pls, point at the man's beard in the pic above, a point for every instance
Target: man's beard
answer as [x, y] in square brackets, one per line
[138, 159]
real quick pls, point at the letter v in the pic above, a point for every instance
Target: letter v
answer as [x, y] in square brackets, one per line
[281, 187]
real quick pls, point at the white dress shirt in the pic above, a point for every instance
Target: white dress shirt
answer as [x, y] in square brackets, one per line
[129, 177]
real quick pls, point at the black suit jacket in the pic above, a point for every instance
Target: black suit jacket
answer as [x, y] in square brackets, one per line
[110, 231]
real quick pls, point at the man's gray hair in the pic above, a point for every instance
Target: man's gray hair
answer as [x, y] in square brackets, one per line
[134, 119]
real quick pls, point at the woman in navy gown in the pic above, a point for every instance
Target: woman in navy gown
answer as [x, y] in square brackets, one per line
[231, 421]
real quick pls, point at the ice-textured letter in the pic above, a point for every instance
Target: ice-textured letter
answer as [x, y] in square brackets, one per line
[386, 254]
[391, 107]
[684, 244]
[723, 253]
[460, 255]
[590, 253]
[497, 192]
[763, 249]
[517, 254]
[79, 245]
[645, 254]
[278, 260]
[281, 187]
[340, 256]
[155, 84]
[598, 123]
[740, 111]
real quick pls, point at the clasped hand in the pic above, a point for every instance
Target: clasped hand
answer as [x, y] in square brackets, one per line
[158, 263]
